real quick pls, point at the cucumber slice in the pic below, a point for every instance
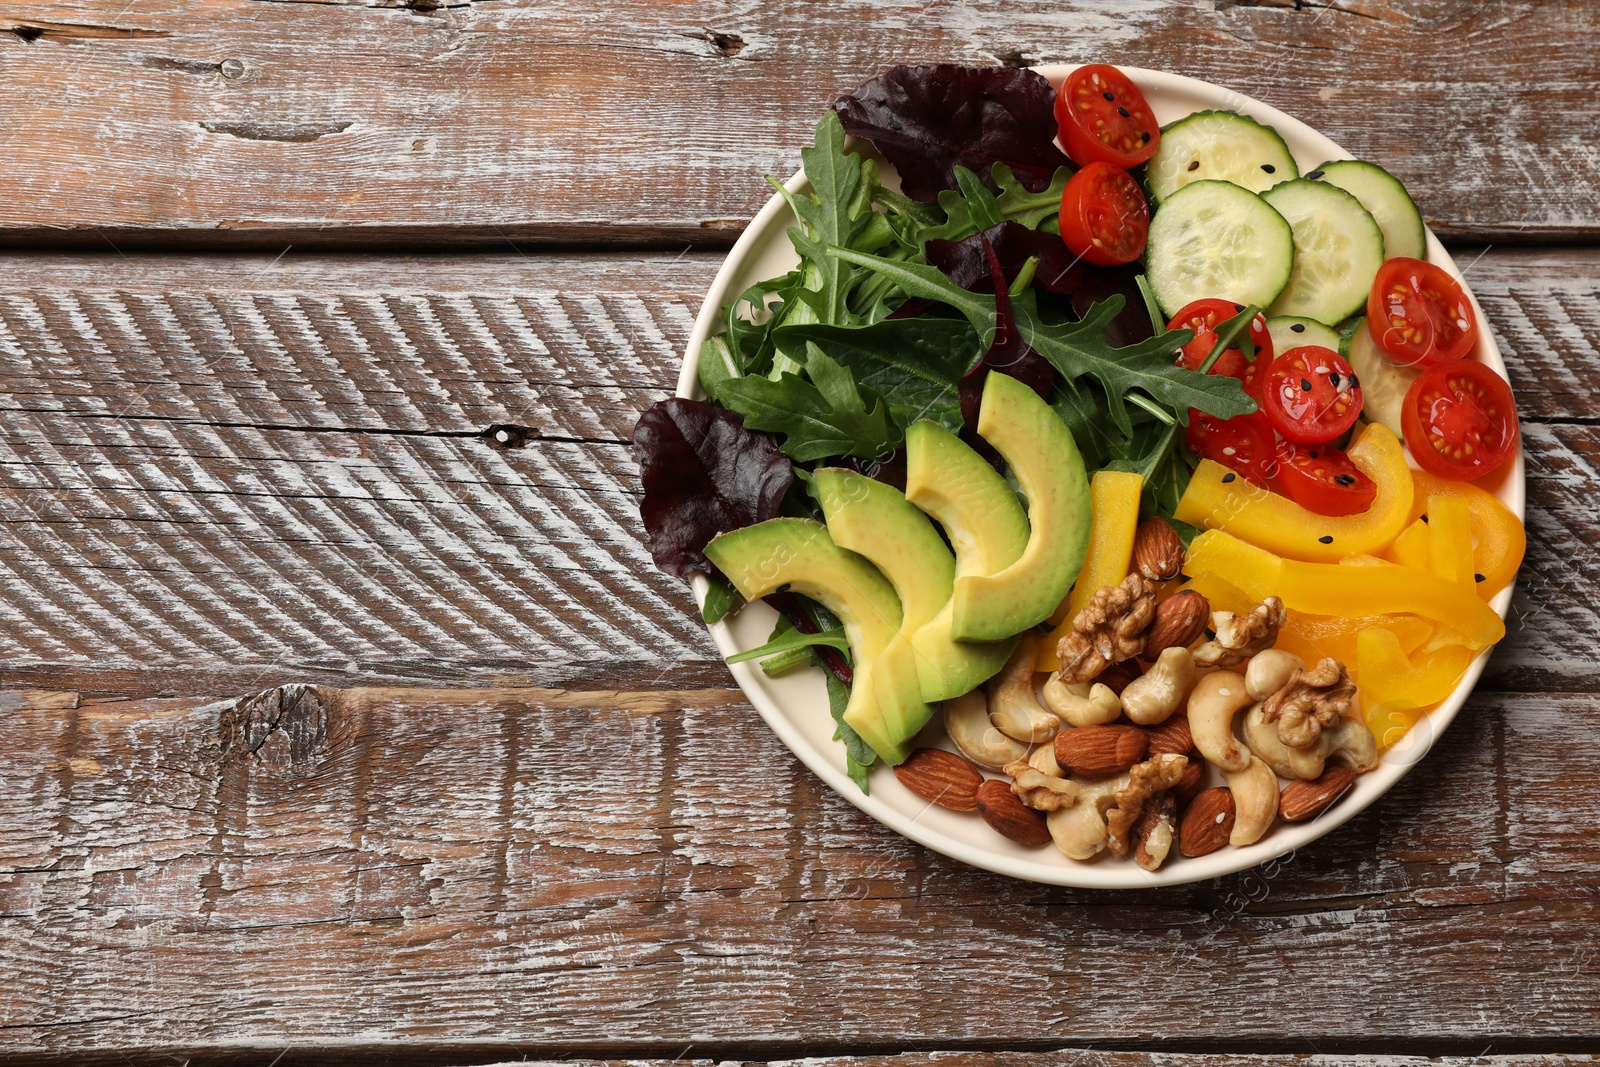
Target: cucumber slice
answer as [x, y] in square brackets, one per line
[1338, 249]
[1383, 385]
[1219, 146]
[1216, 239]
[1293, 331]
[1382, 194]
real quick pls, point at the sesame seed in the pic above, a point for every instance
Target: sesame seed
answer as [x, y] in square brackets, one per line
[1313, 453]
[1145, 137]
[1355, 383]
[1346, 479]
[1326, 539]
[1229, 451]
[1297, 327]
[1238, 309]
[1334, 378]
[1230, 476]
[1194, 164]
[1305, 383]
[1314, 175]
[1269, 168]
[1424, 518]
[1122, 111]
[1109, 96]
[1224, 691]
[1479, 578]
[1221, 814]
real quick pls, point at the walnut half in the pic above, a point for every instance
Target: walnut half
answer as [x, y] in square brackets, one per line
[1109, 630]
[1241, 636]
[1145, 781]
[1310, 701]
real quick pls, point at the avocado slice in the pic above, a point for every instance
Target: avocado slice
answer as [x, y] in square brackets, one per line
[980, 514]
[877, 521]
[800, 554]
[1045, 460]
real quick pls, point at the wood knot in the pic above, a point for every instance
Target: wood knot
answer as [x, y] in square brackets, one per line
[504, 436]
[288, 727]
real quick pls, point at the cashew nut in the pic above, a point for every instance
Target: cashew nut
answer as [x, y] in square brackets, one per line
[1255, 799]
[1157, 693]
[1349, 743]
[1269, 671]
[966, 720]
[1013, 707]
[1041, 791]
[1043, 760]
[1082, 703]
[1080, 830]
[1216, 699]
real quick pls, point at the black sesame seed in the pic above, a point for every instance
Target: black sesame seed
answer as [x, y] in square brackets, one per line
[1346, 479]
[1333, 379]
[1297, 327]
[1424, 518]
[1226, 478]
[1326, 539]
[1109, 96]
[1305, 383]
[1314, 175]
[1238, 309]
[1145, 137]
[1312, 453]
[1355, 383]
[1269, 168]
[1122, 111]
[1479, 578]
[1194, 164]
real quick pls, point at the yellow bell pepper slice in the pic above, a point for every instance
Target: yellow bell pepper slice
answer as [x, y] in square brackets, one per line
[1218, 500]
[1392, 721]
[1385, 673]
[1328, 589]
[1114, 505]
[1413, 548]
[1498, 538]
[1450, 541]
[1312, 637]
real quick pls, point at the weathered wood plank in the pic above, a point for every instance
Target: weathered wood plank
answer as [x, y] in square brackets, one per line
[502, 868]
[281, 476]
[248, 124]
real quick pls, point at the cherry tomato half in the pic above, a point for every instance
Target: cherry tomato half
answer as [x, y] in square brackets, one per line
[1418, 315]
[1460, 420]
[1203, 317]
[1103, 118]
[1310, 395]
[1322, 479]
[1243, 444]
[1104, 217]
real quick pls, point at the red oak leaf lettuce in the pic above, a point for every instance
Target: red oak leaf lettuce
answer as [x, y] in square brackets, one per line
[1008, 352]
[929, 120]
[703, 474]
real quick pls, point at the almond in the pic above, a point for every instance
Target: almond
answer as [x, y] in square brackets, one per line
[1179, 622]
[1100, 751]
[1157, 550]
[941, 778]
[1171, 736]
[1188, 786]
[1207, 823]
[1299, 801]
[1010, 817]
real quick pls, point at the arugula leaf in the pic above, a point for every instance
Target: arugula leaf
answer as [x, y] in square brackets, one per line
[1079, 348]
[858, 755]
[1152, 452]
[721, 598]
[829, 415]
[914, 364]
[960, 214]
[792, 639]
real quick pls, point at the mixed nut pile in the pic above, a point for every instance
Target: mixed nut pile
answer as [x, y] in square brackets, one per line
[1110, 752]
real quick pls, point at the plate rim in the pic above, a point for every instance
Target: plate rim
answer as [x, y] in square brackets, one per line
[1100, 874]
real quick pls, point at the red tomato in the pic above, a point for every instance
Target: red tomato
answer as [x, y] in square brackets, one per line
[1310, 395]
[1203, 317]
[1418, 315]
[1103, 118]
[1460, 420]
[1243, 444]
[1104, 217]
[1322, 479]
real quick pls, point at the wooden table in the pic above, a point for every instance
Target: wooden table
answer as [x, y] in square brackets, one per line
[339, 726]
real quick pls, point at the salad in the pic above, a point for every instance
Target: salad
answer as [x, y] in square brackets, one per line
[1074, 453]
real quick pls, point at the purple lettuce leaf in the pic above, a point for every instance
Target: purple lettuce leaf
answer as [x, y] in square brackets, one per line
[929, 120]
[703, 474]
[1008, 352]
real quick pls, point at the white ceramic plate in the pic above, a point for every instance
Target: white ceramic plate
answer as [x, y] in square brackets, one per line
[795, 706]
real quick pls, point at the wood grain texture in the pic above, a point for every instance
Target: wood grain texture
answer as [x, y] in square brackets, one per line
[497, 871]
[283, 475]
[244, 123]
